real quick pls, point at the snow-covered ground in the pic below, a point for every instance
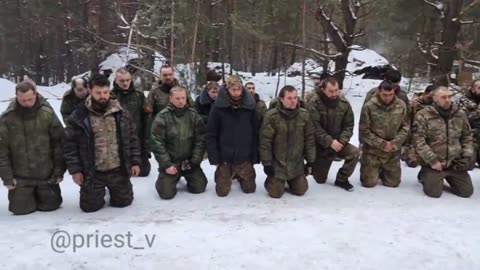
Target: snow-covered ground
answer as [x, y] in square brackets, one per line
[328, 228]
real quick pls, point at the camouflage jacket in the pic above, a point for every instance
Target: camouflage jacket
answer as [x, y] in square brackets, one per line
[331, 123]
[178, 135]
[442, 139]
[79, 146]
[70, 102]
[260, 107]
[134, 102]
[399, 92]
[286, 139]
[471, 107]
[380, 124]
[31, 143]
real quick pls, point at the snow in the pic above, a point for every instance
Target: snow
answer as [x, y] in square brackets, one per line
[328, 228]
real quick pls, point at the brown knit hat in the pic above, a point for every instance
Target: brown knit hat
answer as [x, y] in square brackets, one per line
[233, 80]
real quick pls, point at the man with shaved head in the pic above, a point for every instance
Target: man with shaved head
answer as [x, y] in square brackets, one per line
[443, 141]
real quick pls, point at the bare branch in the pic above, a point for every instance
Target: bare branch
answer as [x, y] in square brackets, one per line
[469, 22]
[122, 44]
[315, 52]
[468, 7]
[361, 4]
[438, 7]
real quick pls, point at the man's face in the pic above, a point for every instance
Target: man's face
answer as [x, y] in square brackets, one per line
[235, 92]
[443, 98]
[178, 99]
[80, 90]
[331, 91]
[428, 97]
[251, 88]
[386, 96]
[28, 99]
[101, 94]
[123, 80]
[476, 88]
[166, 76]
[290, 100]
[213, 92]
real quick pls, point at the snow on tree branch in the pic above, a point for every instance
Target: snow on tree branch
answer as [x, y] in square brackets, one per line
[315, 52]
[438, 6]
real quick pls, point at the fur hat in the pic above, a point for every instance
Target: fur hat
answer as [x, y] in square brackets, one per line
[232, 81]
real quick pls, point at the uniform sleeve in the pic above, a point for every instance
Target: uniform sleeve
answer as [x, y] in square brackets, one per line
[402, 134]
[255, 156]
[262, 110]
[309, 141]
[134, 143]
[267, 133]
[365, 132]
[199, 141]
[322, 138]
[71, 152]
[213, 127]
[419, 132]
[145, 125]
[466, 139]
[159, 136]
[56, 141]
[347, 126]
[6, 172]
[65, 110]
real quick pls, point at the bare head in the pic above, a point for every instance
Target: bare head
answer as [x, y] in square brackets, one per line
[212, 90]
[442, 97]
[80, 87]
[100, 89]
[329, 87]
[250, 86]
[386, 92]
[26, 93]
[123, 79]
[288, 97]
[166, 75]
[475, 88]
[178, 97]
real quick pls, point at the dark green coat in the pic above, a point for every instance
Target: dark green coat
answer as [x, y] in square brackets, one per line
[134, 102]
[70, 102]
[178, 135]
[331, 123]
[31, 143]
[286, 139]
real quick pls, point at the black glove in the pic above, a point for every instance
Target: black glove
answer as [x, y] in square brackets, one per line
[461, 164]
[268, 170]
[308, 169]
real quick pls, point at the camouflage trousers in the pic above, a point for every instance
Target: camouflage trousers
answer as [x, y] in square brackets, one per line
[32, 195]
[410, 156]
[459, 181]
[387, 169]
[92, 192]
[276, 187]
[243, 172]
[321, 166]
[166, 184]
